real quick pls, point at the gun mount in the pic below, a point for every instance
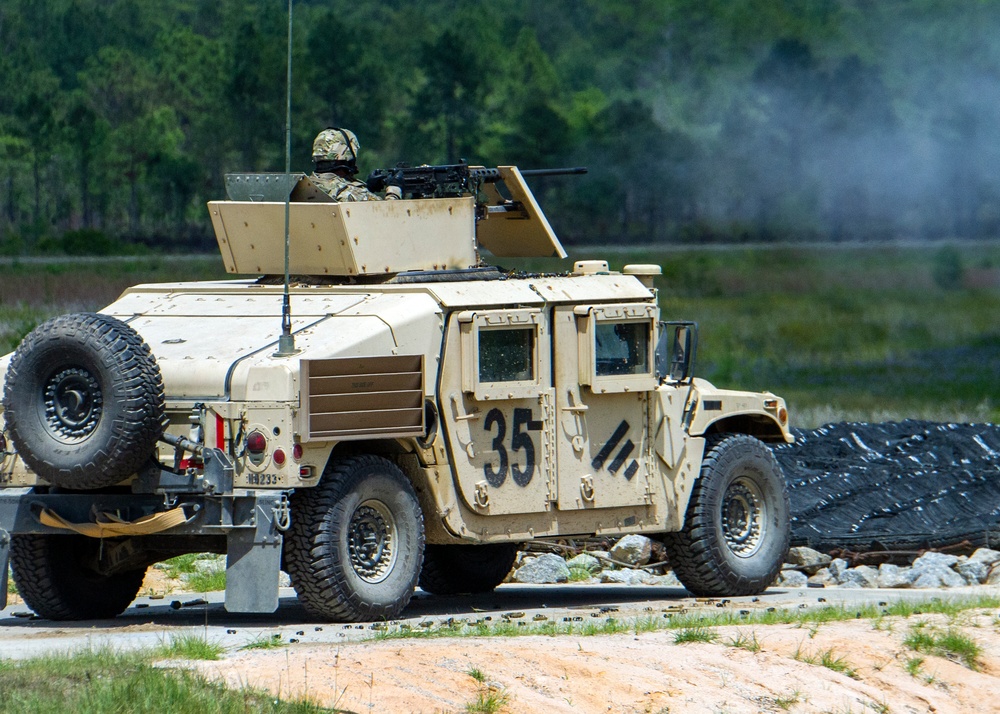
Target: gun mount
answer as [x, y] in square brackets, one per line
[496, 211]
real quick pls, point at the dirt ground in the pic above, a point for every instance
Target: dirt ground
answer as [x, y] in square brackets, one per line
[644, 673]
[776, 668]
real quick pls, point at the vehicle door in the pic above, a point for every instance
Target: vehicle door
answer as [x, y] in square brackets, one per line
[497, 407]
[604, 375]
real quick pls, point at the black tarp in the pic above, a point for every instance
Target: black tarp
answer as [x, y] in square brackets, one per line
[894, 486]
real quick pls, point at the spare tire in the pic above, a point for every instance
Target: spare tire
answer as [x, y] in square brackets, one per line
[83, 401]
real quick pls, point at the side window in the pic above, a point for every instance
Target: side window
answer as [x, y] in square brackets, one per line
[507, 355]
[621, 348]
[615, 344]
[502, 356]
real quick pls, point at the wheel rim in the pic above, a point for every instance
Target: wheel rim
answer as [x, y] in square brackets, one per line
[743, 517]
[73, 404]
[371, 541]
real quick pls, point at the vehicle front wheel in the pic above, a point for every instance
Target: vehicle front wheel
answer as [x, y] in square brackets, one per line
[356, 543]
[737, 530]
[58, 578]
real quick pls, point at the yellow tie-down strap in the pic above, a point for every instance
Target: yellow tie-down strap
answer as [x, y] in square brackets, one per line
[108, 525]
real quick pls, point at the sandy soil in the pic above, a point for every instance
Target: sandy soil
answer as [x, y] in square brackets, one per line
[645, 673]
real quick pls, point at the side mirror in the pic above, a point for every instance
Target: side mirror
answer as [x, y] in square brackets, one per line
[675, 350]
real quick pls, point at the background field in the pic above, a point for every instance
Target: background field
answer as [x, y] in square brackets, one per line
[843, 332]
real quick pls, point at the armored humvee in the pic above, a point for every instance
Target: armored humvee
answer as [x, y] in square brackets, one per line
[432, 414]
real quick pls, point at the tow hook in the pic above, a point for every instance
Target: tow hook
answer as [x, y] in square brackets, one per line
[282, 514]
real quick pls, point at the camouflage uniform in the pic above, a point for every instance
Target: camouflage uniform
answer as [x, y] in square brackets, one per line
[341, 147]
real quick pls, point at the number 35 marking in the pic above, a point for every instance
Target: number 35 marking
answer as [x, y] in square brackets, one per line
[520, 440]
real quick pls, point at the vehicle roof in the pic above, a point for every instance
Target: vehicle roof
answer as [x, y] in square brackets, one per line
[256, 298]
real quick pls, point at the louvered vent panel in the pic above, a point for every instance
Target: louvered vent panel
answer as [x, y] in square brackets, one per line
[364, 397]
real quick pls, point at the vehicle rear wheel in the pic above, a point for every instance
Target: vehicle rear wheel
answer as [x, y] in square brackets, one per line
[451, 569]
[83, 401]
[57, 577]
[356, 542]
[737, 531]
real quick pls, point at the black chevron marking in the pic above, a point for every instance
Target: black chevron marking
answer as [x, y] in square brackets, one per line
[623, 454]
[606, 450]
[630, 471]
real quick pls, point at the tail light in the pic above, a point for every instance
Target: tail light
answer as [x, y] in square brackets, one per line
[256, 443]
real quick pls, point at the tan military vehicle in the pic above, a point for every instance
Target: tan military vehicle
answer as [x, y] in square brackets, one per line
[432, 415]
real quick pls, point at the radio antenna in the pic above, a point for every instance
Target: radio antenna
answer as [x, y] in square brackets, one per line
[286, 342]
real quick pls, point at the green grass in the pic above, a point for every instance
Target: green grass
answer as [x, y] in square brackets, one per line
[950, 643]
[190, 647]
[183, 566]
[744, 641]
[106, 681]
[207, 582]
[489, 700]
[695, 634]
[579, 574]
[914, 666]
[11, 586]
[590, 627]
[786, 702]
[829, 660]
[264, 642]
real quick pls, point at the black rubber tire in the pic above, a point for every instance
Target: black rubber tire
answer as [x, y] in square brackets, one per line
[52, 576]
[451, 569]
[737, 469]
[356, 495]
[83, 400]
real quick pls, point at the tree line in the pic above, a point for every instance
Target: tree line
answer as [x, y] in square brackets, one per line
[700, 120]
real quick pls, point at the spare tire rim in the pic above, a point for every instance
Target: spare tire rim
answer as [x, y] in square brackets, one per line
[371, 541]
[743, 517]
[73, 404]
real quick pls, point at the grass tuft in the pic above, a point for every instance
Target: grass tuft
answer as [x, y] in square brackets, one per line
[744, 641]
[695, 634]
[829, 660]
[263, 642]
[489, 700]
[190, 647]
[952, 643]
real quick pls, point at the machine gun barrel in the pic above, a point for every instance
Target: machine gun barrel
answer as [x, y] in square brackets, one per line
[554, 172]
[448, 180]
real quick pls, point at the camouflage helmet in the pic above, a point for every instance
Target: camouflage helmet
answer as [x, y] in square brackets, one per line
[334, 144]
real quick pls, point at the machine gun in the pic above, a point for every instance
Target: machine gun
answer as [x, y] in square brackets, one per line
[449, 180]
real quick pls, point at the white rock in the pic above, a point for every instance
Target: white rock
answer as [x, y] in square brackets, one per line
[837, 567]
[893, 576]
[808, 560]
[973, 571]
[633, 549]
[546, 568]
[627, 576]
[987, 556]
[792, 579]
